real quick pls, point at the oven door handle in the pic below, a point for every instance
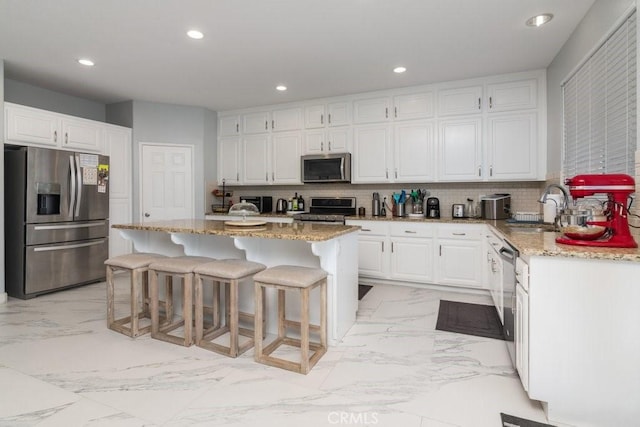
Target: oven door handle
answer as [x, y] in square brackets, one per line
[508, 254]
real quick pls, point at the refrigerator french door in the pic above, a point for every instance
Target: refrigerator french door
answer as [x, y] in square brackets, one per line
[56, 219]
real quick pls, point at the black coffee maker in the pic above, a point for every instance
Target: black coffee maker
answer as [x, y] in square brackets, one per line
[433, 207]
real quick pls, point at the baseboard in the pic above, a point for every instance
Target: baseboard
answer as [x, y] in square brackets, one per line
[445, 288]
[3, 298]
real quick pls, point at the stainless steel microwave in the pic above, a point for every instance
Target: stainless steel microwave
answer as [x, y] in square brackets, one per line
[326, 167]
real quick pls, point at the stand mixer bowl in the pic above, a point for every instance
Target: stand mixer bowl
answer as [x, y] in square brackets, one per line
[574, 224]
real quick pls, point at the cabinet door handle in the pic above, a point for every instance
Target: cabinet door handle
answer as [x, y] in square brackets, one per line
[321, 145]
[391, 247]
[55, 136]
[66, 137]
[491, 170]
[490, 102]
[266, 125]
[329, 118]
[479, 104]
[329, 145]
[396, 173]
[459, 234]
[237, 128]
[479, 170]
[266, 176]
[365, 229]
[321, 119]
[386, 112]
[410, 232]
[395, 112]
[386, 173]
[273, 124]
[382, 246]
[273, 176]
[440, 250]
[238, 176]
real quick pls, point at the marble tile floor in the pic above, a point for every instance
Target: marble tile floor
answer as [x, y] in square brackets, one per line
[61, 366]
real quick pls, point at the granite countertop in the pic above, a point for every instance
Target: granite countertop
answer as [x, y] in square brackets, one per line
[529, 243]
[296, 231]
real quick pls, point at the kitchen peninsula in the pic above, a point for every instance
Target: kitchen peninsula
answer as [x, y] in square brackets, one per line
[333, 248]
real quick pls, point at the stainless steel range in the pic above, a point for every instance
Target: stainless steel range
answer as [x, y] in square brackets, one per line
[329, 210]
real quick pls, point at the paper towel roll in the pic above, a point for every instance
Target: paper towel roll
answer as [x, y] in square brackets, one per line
[551, 207]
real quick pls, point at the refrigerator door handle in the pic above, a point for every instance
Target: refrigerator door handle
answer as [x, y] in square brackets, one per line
[64, 247]
[68, 226]
[72, 193]
[79, 178]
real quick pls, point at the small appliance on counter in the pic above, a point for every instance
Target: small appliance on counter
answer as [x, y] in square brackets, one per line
[458, 211]
[433, 207]
[281, 206]
[582, 227]
[375, 205]
[496, 206]
[263, 203]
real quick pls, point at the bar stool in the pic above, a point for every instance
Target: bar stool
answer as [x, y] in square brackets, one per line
[137, 266]
[178, 266]
[292, 278]
[228, 273]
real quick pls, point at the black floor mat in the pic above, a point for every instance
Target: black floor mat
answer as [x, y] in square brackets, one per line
[512, 421]
[362, 290]
[469, 319]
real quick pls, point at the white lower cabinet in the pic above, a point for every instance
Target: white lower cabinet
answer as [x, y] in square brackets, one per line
[522, 322]
[421, 252]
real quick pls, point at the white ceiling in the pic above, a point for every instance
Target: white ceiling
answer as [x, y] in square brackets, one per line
[318, 48]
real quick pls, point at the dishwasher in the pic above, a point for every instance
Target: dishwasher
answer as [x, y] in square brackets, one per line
[509, 255]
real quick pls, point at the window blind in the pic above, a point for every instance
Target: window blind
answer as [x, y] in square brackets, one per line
[599, 106]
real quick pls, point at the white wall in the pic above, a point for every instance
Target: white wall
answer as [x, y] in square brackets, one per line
[594, 26]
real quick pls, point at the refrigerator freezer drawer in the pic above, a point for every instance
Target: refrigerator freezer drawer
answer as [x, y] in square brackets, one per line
[41, 234]
[51, 267]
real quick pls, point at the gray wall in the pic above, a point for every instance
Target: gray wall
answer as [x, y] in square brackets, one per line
[596, 24]
[37, 97]
[171, 124]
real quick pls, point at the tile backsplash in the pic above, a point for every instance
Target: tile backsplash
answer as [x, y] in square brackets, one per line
[524, 195]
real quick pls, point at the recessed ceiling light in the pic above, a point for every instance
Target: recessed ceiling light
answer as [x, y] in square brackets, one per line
[399, 70]
[87, 62]
[536, 21]
[281, 88]
[195, 34]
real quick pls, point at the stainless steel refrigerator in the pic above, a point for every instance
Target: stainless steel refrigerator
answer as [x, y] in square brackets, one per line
[56, 219]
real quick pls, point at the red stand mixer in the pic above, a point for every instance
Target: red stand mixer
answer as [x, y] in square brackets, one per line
[618, 188]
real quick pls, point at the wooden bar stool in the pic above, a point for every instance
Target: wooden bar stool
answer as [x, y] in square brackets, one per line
[291, 278]
[178, 266]
[136, 265]
[229, 273]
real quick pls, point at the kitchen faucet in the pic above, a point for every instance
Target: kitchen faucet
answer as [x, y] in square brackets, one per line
[547, 190]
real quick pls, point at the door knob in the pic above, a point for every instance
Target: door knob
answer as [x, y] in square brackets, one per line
[147, 215]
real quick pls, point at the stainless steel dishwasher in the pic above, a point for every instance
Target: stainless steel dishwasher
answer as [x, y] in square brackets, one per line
[509, 255]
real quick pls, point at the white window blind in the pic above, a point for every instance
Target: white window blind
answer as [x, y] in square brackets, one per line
[600, 108]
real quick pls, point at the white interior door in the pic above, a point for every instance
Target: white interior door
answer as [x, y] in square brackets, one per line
[166, 181]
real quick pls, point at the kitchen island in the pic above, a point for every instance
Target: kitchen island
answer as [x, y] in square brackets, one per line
[334, 248]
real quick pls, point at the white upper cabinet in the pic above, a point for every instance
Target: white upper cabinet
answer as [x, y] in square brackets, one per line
[334, 140]
[255, 168]
[516, 95]
[229, 125]
[460, 144]
[286, 158]
[371, 110]
[512, 146]
[81, 134]
[339, 113]
[30, 125]
[414, 151]
[458, 101]
[117, 146]
[371, 157]
[255, 122]
[314, 116]
[286, 120]
[229, 161]
[413, 106]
